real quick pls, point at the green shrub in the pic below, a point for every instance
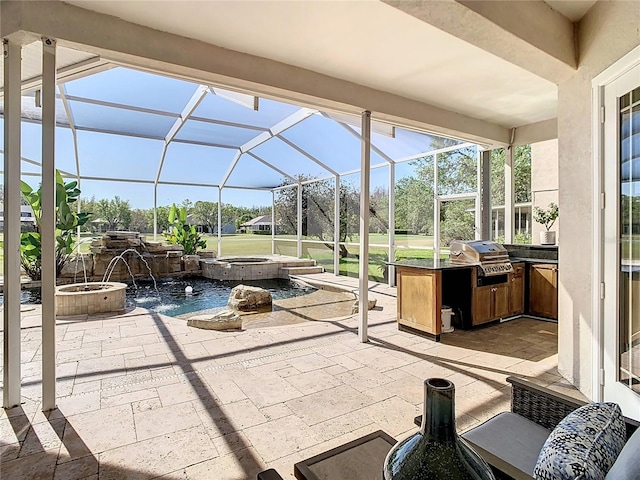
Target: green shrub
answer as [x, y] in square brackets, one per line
[181, 233]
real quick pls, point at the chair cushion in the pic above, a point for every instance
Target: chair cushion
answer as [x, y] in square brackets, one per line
[627, 466]
[509, 442]
[584, 445]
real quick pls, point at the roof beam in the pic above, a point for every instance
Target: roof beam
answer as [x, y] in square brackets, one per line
[292, 120]
[66, 74]
[308, 155]
[529, 34]
[179, 56]
[249, 101]
[536, 132]
[189, 108]
[353, 132]
[272, 167]
[232, 166]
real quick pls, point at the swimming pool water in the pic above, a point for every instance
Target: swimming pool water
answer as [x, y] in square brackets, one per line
[171, 298]
[206, 294]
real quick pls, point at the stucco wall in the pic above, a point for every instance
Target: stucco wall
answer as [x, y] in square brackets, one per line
[605, 34]
[544, 182]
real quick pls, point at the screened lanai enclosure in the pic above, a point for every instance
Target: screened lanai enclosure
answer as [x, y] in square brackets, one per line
[341, 186]
[154, 140]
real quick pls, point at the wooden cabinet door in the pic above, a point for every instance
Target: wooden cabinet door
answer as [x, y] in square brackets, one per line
[543, 290]
[419, 299]
[516, 293]
[482, 304]
[501, 300]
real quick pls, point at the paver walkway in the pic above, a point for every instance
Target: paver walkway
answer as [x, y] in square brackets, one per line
[142, 395]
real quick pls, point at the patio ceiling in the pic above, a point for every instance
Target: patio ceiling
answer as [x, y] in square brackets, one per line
[369, 43]
[473, 70]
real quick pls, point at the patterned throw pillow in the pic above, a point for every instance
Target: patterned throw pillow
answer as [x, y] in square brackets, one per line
[584, 445]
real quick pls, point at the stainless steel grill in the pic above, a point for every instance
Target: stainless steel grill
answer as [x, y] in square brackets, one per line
[491, 257]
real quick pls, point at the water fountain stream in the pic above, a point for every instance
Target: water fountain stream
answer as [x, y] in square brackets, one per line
[97, 297]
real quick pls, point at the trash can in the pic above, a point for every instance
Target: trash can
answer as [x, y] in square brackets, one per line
[447, 313]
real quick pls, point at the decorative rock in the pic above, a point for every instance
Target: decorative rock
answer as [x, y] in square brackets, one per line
[77, 268]
[246, 298]
[208, 253]
[223, 320]
[190, 262]
[355, 308]
[121, 234]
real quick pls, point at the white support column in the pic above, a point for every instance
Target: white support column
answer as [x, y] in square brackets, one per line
[436, 210]
[336, 227]
[273, 222]
[299, 223]
[485, 194]
[391, 280]
[12, 108]
[48, 232]
[479, 220]
[508, 194]
[74, 134]
[155, 212]
[365, 175]
[219, 221]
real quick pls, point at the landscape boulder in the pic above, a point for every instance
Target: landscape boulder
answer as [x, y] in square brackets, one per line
[356, 308]
[246, 298]
[223, 320]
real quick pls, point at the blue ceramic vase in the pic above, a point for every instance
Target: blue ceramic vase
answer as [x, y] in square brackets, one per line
[436, 452]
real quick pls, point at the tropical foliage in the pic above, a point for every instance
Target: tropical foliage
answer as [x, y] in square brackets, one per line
[181, 233]
[67, 221]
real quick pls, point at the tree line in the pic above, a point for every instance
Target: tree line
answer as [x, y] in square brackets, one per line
[117, 214]
[414, 198]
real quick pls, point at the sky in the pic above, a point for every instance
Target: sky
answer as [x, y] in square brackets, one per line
[126, 157]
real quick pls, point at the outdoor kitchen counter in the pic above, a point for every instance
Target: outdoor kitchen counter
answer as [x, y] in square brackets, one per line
[429, 264]
[533, 260]
[420, 292]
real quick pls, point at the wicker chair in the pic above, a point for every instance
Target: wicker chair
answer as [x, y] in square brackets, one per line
[513, 456]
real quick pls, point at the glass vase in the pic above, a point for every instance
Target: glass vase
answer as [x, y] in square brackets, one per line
[436, 452]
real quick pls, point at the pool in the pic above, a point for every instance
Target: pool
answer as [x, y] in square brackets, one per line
[206, 294]
[173, 301]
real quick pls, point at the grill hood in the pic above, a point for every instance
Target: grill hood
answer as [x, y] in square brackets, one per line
[491, 257]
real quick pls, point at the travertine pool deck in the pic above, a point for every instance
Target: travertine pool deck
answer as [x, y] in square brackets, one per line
[142, 395]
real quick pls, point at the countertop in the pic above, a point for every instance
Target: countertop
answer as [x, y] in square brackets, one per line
[429, 264]
[445, 263]
[533, 260]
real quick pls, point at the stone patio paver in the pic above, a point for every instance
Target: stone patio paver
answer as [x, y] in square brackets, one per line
[142, 395]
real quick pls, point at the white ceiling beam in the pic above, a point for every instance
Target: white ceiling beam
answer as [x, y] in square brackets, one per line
[529, 34]
[186, 58]
[228, 124]
[353, 132]
[232, 166]
[248, 101]
[435, 152]
[292, 120]
[206, 144]
[382, 128]
[188, 109]
[121, 106]
[273, 167]
[66, 74]
[308, 155]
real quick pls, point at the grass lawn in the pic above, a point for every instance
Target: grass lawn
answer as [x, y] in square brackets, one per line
[251, 244]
